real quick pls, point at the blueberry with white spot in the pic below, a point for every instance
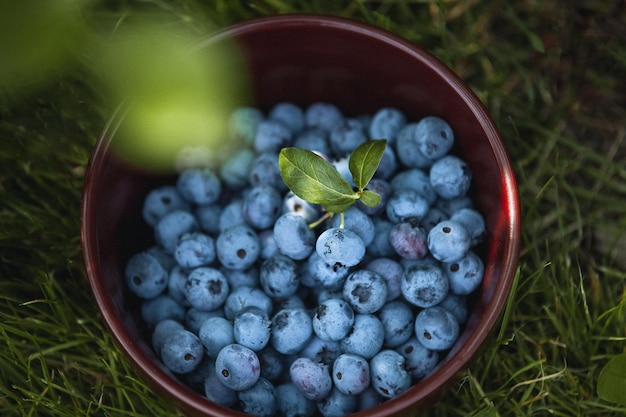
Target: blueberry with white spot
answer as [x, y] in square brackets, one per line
[206, 288]
[365, 291]
[449, 241]
[145, 276]
[436, 328]
[351, 374]
[199, 185]
[344, 246]
[181, 352]
[237, 367]
[424, 285]
[311, 378]
[451, 177]
[294, 204]
[292, 330]
[333, 319]
[388, 374]
[238, 247]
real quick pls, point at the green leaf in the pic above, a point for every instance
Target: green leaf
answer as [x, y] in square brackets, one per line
[313, 179]
[612, 380]
[370, 198]
[364, 161]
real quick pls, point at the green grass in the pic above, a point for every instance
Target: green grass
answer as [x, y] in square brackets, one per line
[552, 74]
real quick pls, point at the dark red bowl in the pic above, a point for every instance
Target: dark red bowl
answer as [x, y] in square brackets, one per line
[304, 59]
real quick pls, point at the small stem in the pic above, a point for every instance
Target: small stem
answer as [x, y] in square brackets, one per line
[341, 220]
[319, 221]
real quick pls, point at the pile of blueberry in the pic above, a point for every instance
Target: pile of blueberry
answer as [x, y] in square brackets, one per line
[258, 306]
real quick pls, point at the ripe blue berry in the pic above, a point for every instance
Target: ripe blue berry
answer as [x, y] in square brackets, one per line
[242, 297]
[436, 328]
[237, 367]
[238, 247]
[388, 374]
[357, 221]
[424, 285]
[271, 136]
[351, 374]
[289, 114]
[206, 288]
[172, 226]
[397, 319]
[406, 205]
[251, 328]
[181, 352]
[194, 250]
[160, 308]
[336, 245]
[466, 274]
[323, 115]
[346, 137]
[386, 124]
[420, 361]
[199, 185]
[408, 240]
[145, 276]
[293, 236]
[337, 404]
[311, 378]
[366, 337]
[451, 177]
[160, 201]
[291, 402]
[473, 221]
[235, 171]
[333, 319]
[258, 400]
[365, 291]
[262, 206]
[279, 276]
[162, 330]
[408, 149]
[292, 330]
[434, 137]
[449, 241]
[215, 333]
[243, 123]
[319, 274]
[391, 271]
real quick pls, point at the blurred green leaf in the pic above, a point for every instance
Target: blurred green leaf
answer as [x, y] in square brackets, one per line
[612, 380]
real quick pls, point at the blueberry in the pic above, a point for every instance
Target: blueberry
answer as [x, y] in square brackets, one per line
[231, 215]
[391, 271]
[325, 116]
[451, 177]
[452, 205]
[409, 240]
[268, 244]
[351, 374]
[262, 206]
[215, 333]
[290, 114]
[388, 374]
[279, 276]
[311, 378]
[322, 351]
[386, 124]
[449, 241]
[342, 165]
[243, 123]
[208, 217]
[271, 136]
[319, 274]
[397, 319]
[388, 164]
[181, 352]
[432, 219]
[160, 308]
[242, 297]
[337, 404]
[365, 291]
[251, 328]
[408, 150]
[272, 364]
[406, 205]
[291, 403]
[172, 226]
[466, 274]
[381, 246]
[237, 367]
[217, 392]
[358, 222]
[258, 400]
[414, 179]
[424, 285]
[336, 245]
[293, 236]
[162, 330]
[166, 260]
[238, 247]
[194, 318]
[206, 288]
[347, 136]
[369, 399]
[292, 330]
[194, 250]
[199, 185]
[196, 379]
[436, 328]
[313, 139]
[420, 361]
[145, 276]
[266, 171]
[235, 171]
[457, 305]
[434, 137]
[366, 337]
[473, 221]
[333, 319]
[241, 277]
[160, 201]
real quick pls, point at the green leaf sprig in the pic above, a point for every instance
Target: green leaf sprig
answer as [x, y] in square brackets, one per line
[313, 179]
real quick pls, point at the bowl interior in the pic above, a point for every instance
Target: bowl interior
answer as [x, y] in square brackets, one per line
[304, 59]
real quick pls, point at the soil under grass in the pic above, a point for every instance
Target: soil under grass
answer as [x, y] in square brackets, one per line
[552, 74]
